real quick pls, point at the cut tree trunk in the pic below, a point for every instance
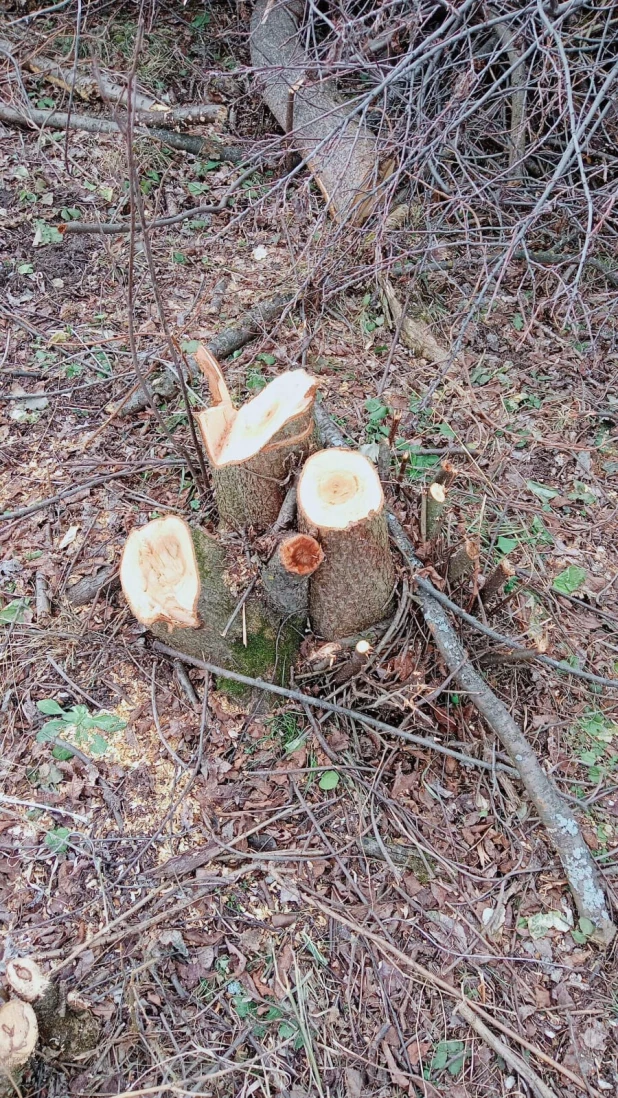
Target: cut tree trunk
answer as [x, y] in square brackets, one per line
[342, 155]
[252, 451]
[341, 504]
[69, 1032]
[18, 1037]
[185, 586]
[286, 576]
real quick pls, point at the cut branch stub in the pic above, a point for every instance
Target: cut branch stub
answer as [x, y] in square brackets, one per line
[341, 503]
[258, 641]
[69, 1032]
[286, 575]
[252, 450]
[159, 573]
[19, 1032]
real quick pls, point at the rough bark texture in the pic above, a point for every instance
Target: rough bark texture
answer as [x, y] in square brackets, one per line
[285, 577]
[462, 561]
[251, 494]
[353, 588]
[64, 1030]
[271, 643]
[555, 814]
[342, 154]
[87, 588]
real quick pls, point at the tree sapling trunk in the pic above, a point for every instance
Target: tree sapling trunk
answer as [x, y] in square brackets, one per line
[286, 575]
[253, 450]
[185, 586]
[341, 503]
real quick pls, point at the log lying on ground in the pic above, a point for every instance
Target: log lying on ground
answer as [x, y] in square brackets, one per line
[185, 586]
[65, 1030]
[554, 812]
[342, 155]
[285, 577]
[32, 118]
[252, 451]
[341, 503]
[18, 1037]
[100, 84]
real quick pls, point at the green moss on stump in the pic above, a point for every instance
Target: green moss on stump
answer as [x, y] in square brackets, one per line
[272, 645]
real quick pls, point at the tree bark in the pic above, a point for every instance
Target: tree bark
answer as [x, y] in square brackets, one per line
[342, 155]
[341, 504]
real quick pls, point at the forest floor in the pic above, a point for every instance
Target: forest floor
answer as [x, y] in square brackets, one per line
[262, 967]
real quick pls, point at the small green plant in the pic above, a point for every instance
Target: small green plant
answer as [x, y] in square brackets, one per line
[84, 726]
[58, 840]
[584, 930]
[448, 1056]
[284, 727]
[149, 181]
[570, 580]
[14, 612]
[378, 412]
[329, 780]
[255, 379]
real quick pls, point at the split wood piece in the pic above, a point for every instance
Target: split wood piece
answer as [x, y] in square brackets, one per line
[67, 1030]
[496, 581]
[100, 84]
[184, 585]
[433, 500]
[342, 154]
[59, 120]
[252, 450]
[555, 814]
[18, 1037]
[285, 577]
[341, 503]
[462, 562]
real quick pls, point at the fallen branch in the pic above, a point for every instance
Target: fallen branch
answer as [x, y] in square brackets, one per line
[514, 1061]
[342, 153]
[223, 345]
[331, 707]
[32, 118]
[560, 823]
[99, 84]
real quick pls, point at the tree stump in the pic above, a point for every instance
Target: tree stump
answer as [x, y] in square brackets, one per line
[185, 585]
[341, 504]
[252, 450]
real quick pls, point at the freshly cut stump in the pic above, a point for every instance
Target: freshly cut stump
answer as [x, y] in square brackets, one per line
[286, 576]
[159, 573]
[341, 504]
[18, 1037]
[252, 450]
[67, 1030]
[186, 590]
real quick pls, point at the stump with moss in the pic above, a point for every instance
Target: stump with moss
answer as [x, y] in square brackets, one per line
[185, 585]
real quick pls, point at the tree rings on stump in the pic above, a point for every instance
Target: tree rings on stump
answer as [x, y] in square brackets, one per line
[341, 503]
[286, 575]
